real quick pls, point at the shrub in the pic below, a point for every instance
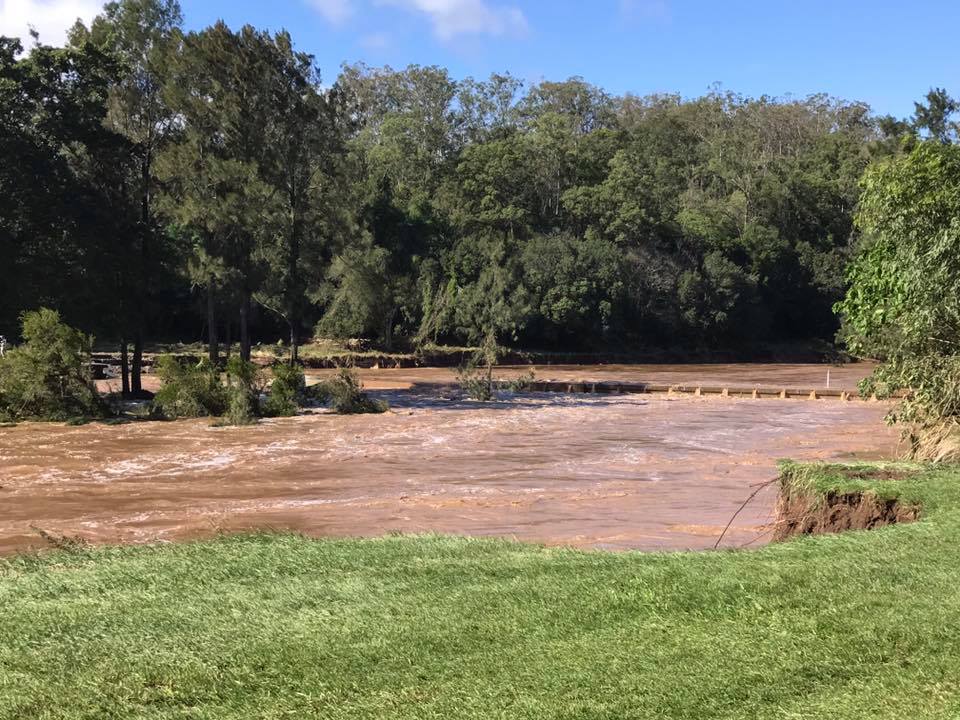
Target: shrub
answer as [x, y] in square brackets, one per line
[346, 396]
[48, 377]
[476, 383]
[240, 407]
[522, 382]
[287, 391]
[245, 382]
[189, 390]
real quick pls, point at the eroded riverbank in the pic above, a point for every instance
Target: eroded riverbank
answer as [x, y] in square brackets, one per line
[610, 472]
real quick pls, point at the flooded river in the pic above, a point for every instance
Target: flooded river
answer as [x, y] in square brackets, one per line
[741, 375]
[647, 472]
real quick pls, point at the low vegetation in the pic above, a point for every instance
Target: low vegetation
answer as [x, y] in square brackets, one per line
[288, 390]
[834, 627]
[344, 392]
[189, 389]
[239, 396]
[48, 377]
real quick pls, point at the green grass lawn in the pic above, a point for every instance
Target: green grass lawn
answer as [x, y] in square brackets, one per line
[862, 625]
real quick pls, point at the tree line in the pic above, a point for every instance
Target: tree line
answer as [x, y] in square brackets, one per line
[162, 183]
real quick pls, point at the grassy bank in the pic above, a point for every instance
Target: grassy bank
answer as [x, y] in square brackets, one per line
[861, 625]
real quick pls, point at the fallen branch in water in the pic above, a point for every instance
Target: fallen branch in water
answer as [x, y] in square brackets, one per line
[759, 487]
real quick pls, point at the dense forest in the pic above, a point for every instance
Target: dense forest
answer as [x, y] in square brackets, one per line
[165, 184]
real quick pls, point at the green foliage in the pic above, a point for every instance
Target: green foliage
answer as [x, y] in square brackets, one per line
[716, 298]
[477, 382]
[903, 306]
[578, 286]
[198, 390]
[245, 385]
[241, 408]
[935, 117]
[345, 394]
[152, 161]
[189, 389]
[48, 376]
[287, 390]
[371, 285]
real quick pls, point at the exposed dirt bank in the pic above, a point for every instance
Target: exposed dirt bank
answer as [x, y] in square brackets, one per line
[809, 513]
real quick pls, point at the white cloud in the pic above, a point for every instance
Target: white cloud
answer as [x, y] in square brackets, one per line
[451, 18]
[656, 10]
[336, 12]
[51, 18]
[376, 41]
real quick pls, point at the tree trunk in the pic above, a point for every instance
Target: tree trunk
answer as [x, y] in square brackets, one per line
[294, 343]
[136, 379]
[245, 327]
[136, 372]
[124, 369]
[213, 342]
[388, 330]
[228, 337]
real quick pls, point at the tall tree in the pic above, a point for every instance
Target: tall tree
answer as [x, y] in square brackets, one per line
[62, 204]
[935, 116]
[138, 33]
[306, 133]
[903, 305]
[220, 89]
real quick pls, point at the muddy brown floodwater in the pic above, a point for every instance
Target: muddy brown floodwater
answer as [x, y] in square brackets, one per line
[744, 375]
[647, 472]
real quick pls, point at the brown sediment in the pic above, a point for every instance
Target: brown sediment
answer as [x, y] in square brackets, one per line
[610, 471]
[801, 513]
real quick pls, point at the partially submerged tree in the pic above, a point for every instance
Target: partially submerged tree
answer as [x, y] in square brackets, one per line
[48, 376]
[903, 306]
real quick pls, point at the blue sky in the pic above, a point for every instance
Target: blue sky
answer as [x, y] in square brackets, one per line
[885, 53]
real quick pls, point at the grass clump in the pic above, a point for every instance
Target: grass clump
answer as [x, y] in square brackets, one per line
[345, 394]
[48, 377]
[842, 627]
